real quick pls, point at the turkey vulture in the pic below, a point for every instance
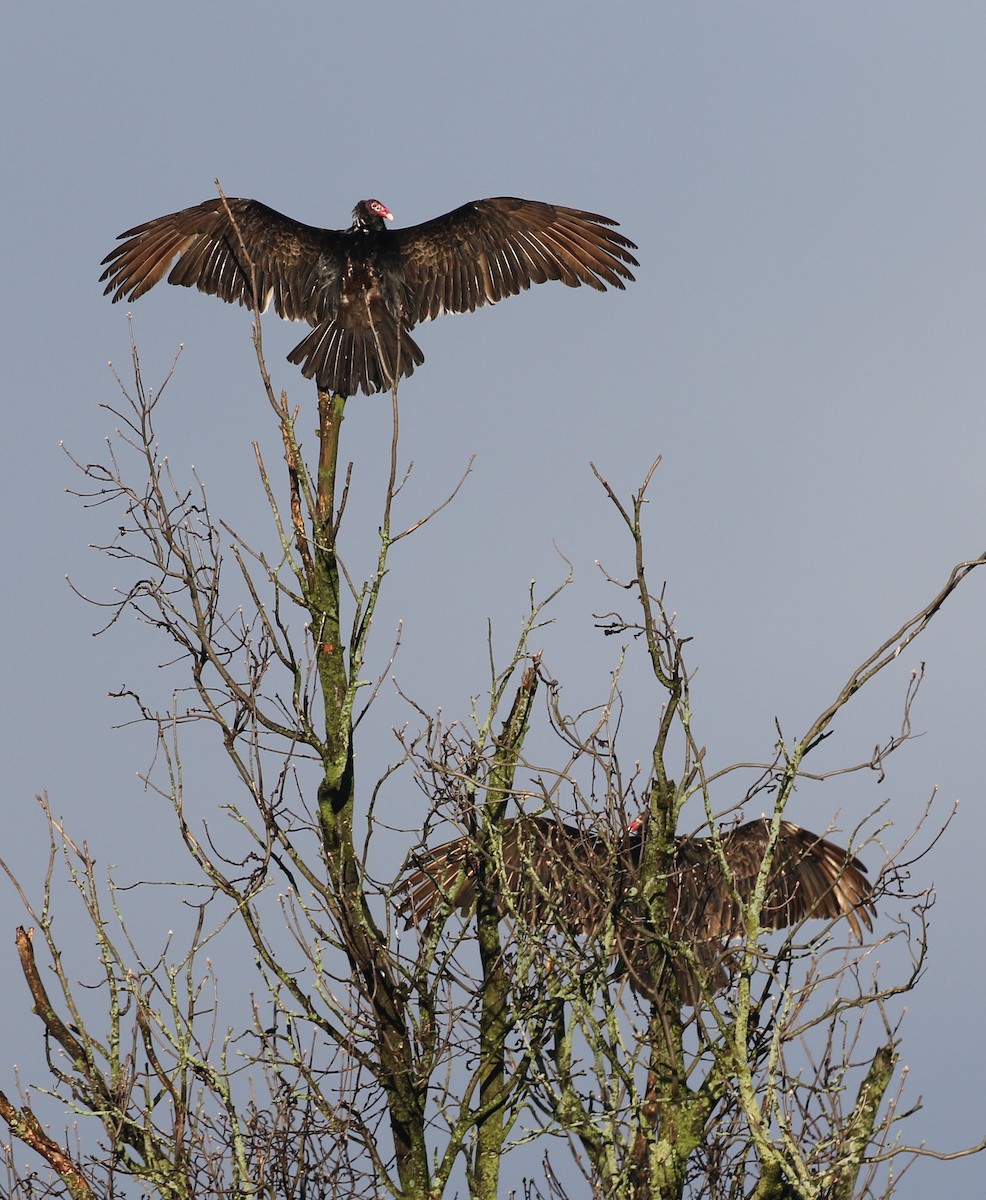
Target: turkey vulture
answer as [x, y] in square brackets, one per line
[556, 874]
[363, 289]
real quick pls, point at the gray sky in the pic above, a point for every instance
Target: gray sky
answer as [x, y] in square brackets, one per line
[804, 345]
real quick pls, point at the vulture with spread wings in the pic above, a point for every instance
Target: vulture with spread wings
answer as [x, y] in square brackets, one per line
[549, 873]
[363, 289]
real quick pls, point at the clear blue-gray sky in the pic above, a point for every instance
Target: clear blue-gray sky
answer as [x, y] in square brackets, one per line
[804, 345]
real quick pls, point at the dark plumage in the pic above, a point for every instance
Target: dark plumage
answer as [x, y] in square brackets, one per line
[551, 873]
[363, 289]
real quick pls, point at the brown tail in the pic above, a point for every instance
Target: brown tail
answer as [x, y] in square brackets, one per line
[368, 359]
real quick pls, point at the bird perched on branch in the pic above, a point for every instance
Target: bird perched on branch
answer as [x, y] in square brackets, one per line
[363, 289]
[547, 873]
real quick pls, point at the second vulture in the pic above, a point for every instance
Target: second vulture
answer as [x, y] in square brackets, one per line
[548, 873]
[363, 289]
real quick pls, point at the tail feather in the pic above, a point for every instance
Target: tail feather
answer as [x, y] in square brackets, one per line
[370, 358]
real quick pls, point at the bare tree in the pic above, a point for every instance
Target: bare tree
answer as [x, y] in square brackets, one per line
[377, 1059]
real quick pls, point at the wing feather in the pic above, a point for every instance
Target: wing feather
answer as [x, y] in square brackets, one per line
[289, 258]
[489, 249]
[809, 877]
[544, 869]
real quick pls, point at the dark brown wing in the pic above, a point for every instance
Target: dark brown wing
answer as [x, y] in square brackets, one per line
[488, 249]
[293, 262]
[545, 870]
[809, 878]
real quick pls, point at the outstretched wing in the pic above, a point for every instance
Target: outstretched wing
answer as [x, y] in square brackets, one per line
[809, 877]
[214, 244]
[544, 870]
[488, 249]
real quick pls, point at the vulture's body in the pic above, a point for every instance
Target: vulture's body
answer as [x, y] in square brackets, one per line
[363, 289]
[548, 873]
